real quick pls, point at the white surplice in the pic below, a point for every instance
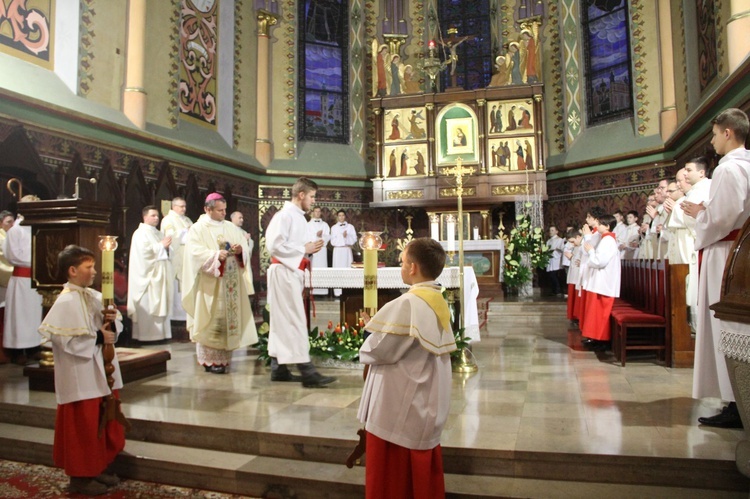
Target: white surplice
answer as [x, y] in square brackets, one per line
[632, 239]
[23, 305]
[556, 244]
[6, 269]
[71, 325]
[406, 397]
[621, 234]
[603, 266]
[150, 285]
[342, 246]
[680, 241]
[727, 208]
[697, 194]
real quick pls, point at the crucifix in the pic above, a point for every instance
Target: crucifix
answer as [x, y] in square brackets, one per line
[452, 43]
[466, 363]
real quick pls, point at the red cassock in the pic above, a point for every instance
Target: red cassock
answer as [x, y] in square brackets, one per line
[78, 448]
[572, 301]
[595, 324]
[393, 471]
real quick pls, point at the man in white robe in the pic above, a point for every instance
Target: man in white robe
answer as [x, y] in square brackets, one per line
[718, 223]
[219, 317]
[696, 171]
[176, 225]
[6, 270]
[620, 232]
[23, 305]
[680, 240]
[632, 236]
[150, 280]
[658, 217]
[318, 229]
[647, 248]
[238, 219]
[556, 244]
[287, 243]
[343, 237]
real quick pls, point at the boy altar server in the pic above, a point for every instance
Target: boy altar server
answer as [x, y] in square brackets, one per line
[406, 396]
[77, 326]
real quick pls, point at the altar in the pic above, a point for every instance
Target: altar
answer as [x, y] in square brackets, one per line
[390, 286]
[485, 256]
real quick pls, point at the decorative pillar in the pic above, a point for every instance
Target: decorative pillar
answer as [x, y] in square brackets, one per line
[738, 26]
[378, 143]
[431, 157]
[134, 98]
[485, 224]
[482, 103]
[263, 143]
[538, 117]
[668, 115]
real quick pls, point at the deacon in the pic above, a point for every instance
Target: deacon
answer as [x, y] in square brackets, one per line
[23, 305]
[176, 225]
[150, 280]
[343, 237]
[219, 317]
[317, 229]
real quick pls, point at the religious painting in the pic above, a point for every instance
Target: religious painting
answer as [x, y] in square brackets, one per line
[707, 56]
[27, 30]
[405, 160]
[199, 39]
[460, 131]
[512, 154]
[607, 58]
[407, 124]
[510, 117]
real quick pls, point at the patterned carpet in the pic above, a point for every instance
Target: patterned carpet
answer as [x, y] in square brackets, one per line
[21, 480]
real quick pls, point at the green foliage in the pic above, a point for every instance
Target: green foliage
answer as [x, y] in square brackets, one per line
[524, 239]
[461, 343]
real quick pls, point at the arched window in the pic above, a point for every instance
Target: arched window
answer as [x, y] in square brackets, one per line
[323, 65]
[609, 94]
[470, 18]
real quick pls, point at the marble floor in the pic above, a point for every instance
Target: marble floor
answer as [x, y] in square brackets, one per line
[536, 390]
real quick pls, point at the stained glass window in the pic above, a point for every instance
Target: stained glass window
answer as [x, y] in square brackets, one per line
[471, 18]
[609, 94]
[323, 77]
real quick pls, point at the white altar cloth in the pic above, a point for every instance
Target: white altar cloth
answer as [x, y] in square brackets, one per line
[481, 245]
[390, 278]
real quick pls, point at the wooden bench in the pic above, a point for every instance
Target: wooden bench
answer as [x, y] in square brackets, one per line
[650, 308]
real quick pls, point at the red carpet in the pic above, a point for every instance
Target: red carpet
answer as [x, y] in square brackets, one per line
[33, 480]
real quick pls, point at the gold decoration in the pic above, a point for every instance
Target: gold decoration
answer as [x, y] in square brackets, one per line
[501, 190]
[452, 192]
[265, 20]
[406, 194]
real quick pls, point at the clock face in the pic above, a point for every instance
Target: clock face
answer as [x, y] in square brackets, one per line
[203, 5]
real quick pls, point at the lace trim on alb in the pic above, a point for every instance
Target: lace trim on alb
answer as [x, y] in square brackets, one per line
[735, 346]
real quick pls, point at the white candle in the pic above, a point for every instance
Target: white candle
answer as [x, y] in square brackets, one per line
[451, 230]
[435, 231]
[476, 233]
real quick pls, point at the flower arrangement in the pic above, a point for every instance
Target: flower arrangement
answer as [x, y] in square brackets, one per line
[524, 240]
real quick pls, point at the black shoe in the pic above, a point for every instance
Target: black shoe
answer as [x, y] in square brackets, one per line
[729, 417]
[587, 341]
[284, 376]
[207, 368]
[317, 380]
[219, 369]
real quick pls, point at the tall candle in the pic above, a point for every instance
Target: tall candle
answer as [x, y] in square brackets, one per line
[476, 233]
[451, 235]
[370, 296]
[435, 231]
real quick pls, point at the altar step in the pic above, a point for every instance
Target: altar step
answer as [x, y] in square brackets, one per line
[280, 465]
[503, 316]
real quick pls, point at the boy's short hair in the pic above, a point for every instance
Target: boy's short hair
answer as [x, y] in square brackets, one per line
[341, 211]
[428, 255]
[597, 212]
[148, 208]
[6, 213]
[634, 213]
[72, 256]
[572, 233]
[303, 184]
[733, 119]
[700, 162]
[608, 220]
[618, 212]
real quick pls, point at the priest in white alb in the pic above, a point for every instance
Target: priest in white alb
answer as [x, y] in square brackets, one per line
[219, 317]
[176, 225]
[318, 230]
[150, 280]
[343, 237]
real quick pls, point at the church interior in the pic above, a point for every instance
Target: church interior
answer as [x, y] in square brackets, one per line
[410, 115]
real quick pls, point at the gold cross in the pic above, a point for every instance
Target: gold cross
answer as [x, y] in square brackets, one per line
[459, 171]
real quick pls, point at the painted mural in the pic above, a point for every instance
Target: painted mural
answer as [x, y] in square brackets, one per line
[406, 124]
[26, 30]
[198, 59]
[405, 160]
[512, 154]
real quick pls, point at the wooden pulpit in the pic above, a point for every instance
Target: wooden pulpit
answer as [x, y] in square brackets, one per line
[733, 310]
[54, 225]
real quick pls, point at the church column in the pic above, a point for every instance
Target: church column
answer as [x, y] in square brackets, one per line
[738, 26]
[263, 143]
[668, 115]
[134, 98]
[378, 143]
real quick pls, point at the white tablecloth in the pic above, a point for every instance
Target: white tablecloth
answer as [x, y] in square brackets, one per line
[480, 245]
[390, 278]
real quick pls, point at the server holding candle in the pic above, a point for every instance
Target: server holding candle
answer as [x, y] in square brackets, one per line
[78, 328]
